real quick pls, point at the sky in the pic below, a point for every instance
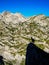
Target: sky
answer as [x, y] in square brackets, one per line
[25, 7]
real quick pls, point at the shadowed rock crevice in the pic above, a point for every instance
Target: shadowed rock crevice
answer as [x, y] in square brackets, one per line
[1, 60]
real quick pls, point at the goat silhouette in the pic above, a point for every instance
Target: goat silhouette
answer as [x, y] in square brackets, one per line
[36, 56]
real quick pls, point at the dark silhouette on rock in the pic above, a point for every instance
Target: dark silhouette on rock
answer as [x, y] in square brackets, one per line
[1, 60]
[36, 56]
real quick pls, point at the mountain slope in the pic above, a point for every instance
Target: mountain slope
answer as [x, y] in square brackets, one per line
[16, 32]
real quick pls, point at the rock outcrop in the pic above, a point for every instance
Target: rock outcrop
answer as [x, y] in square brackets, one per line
[15, 34]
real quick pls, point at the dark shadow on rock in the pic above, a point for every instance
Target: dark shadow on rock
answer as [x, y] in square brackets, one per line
[1, 60]
[36, 56]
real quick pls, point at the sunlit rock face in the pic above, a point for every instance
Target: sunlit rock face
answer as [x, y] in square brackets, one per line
[14, 18]
[16, 32]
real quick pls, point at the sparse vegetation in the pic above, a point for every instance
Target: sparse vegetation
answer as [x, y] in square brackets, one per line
[14, 37]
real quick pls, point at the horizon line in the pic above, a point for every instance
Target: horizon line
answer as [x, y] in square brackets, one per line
[22, 14]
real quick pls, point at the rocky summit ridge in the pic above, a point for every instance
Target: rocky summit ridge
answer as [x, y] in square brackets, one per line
[11, 17]
[16, 32]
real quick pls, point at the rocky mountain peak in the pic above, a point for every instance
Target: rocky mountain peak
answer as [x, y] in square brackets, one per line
[18, 14]
[17, 33]
[12, 17]
[6, 13]
[40, 19]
